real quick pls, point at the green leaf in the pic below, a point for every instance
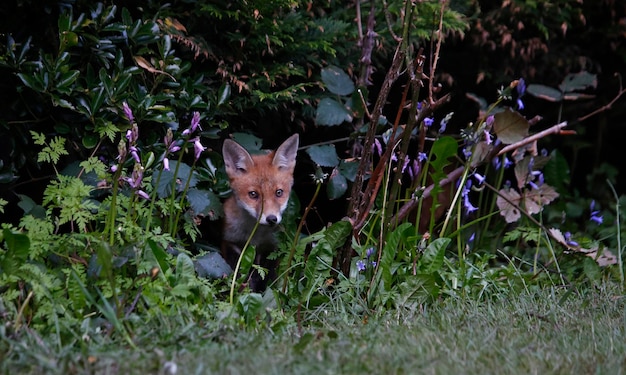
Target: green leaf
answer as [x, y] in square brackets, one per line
[544, 92]
[205, 202]
[578, 82]
[184, 268]
[348, 169]
[164, 187]
[249, 306]
[32, 81]
[324, 155]
[510, 127]
[247, 260]
[337, 81]
[17, 244]
[391, 250]
[330, 113]
[337, 185]
[224, 94]
[248, 141]
[432, 259]
[212, 265]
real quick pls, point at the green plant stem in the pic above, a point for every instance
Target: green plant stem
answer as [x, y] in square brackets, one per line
[182, 197]
[113, 209]
[153, 198]
[296, 237]
[619, 236]
[173, 196]
[245, 247]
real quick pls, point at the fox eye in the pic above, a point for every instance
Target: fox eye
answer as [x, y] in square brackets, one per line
[279, 192]
[253, 194]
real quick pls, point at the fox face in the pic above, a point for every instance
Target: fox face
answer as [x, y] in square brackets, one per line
[260, 186]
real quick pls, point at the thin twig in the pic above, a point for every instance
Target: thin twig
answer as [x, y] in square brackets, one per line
[551, 130]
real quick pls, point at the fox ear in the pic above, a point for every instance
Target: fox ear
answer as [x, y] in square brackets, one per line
[285, 156]
[236, 158]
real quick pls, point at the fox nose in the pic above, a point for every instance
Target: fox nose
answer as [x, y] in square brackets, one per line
[271, 220]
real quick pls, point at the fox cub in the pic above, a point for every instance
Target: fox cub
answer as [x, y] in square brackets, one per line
[260, 187]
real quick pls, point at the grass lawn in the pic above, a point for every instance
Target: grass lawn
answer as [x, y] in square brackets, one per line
[550, 331]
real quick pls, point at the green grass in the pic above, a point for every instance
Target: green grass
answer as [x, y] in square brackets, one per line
[551, 331]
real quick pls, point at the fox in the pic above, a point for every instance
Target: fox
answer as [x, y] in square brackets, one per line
[260, 185]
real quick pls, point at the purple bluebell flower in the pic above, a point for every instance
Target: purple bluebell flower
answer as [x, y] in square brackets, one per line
[487, 136]
[507, 163]
[369, 252]
[496, 163]
[421, 156]
[134, 181]
[128, 112]
[521, 90]
[143, 194]
[469, 208]
[595, 217]
[569, 241]
[373, 263]
[377, 146]
[467, 153]
[134, 152]
[198, 148]
[479, 178]
[166, 164]
[472, 237]
[360, 265]
[521, 87]
[489, 121]
[132, 134]
[195, 124]
[428, 121]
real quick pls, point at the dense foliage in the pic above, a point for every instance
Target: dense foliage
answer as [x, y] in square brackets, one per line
[426, 161]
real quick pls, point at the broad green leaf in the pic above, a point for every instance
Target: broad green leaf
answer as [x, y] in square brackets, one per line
[330, 113]
[337, 81]
[544, 92]
[578, 82]
[248, 141]
[224, 94]
[510, 127]
[348, 169]
[17, 244]
[324, 156]
[212, 265]
[165, 179]
[184, 267]
[337, 185]
[247, 260]
[432, 259]
[390, 251]
[32, 81]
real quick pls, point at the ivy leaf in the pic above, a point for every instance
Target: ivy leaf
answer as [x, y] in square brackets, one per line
[510, 127]
[324, 156]
[337, 81]
[330, 113]
[510, 212]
